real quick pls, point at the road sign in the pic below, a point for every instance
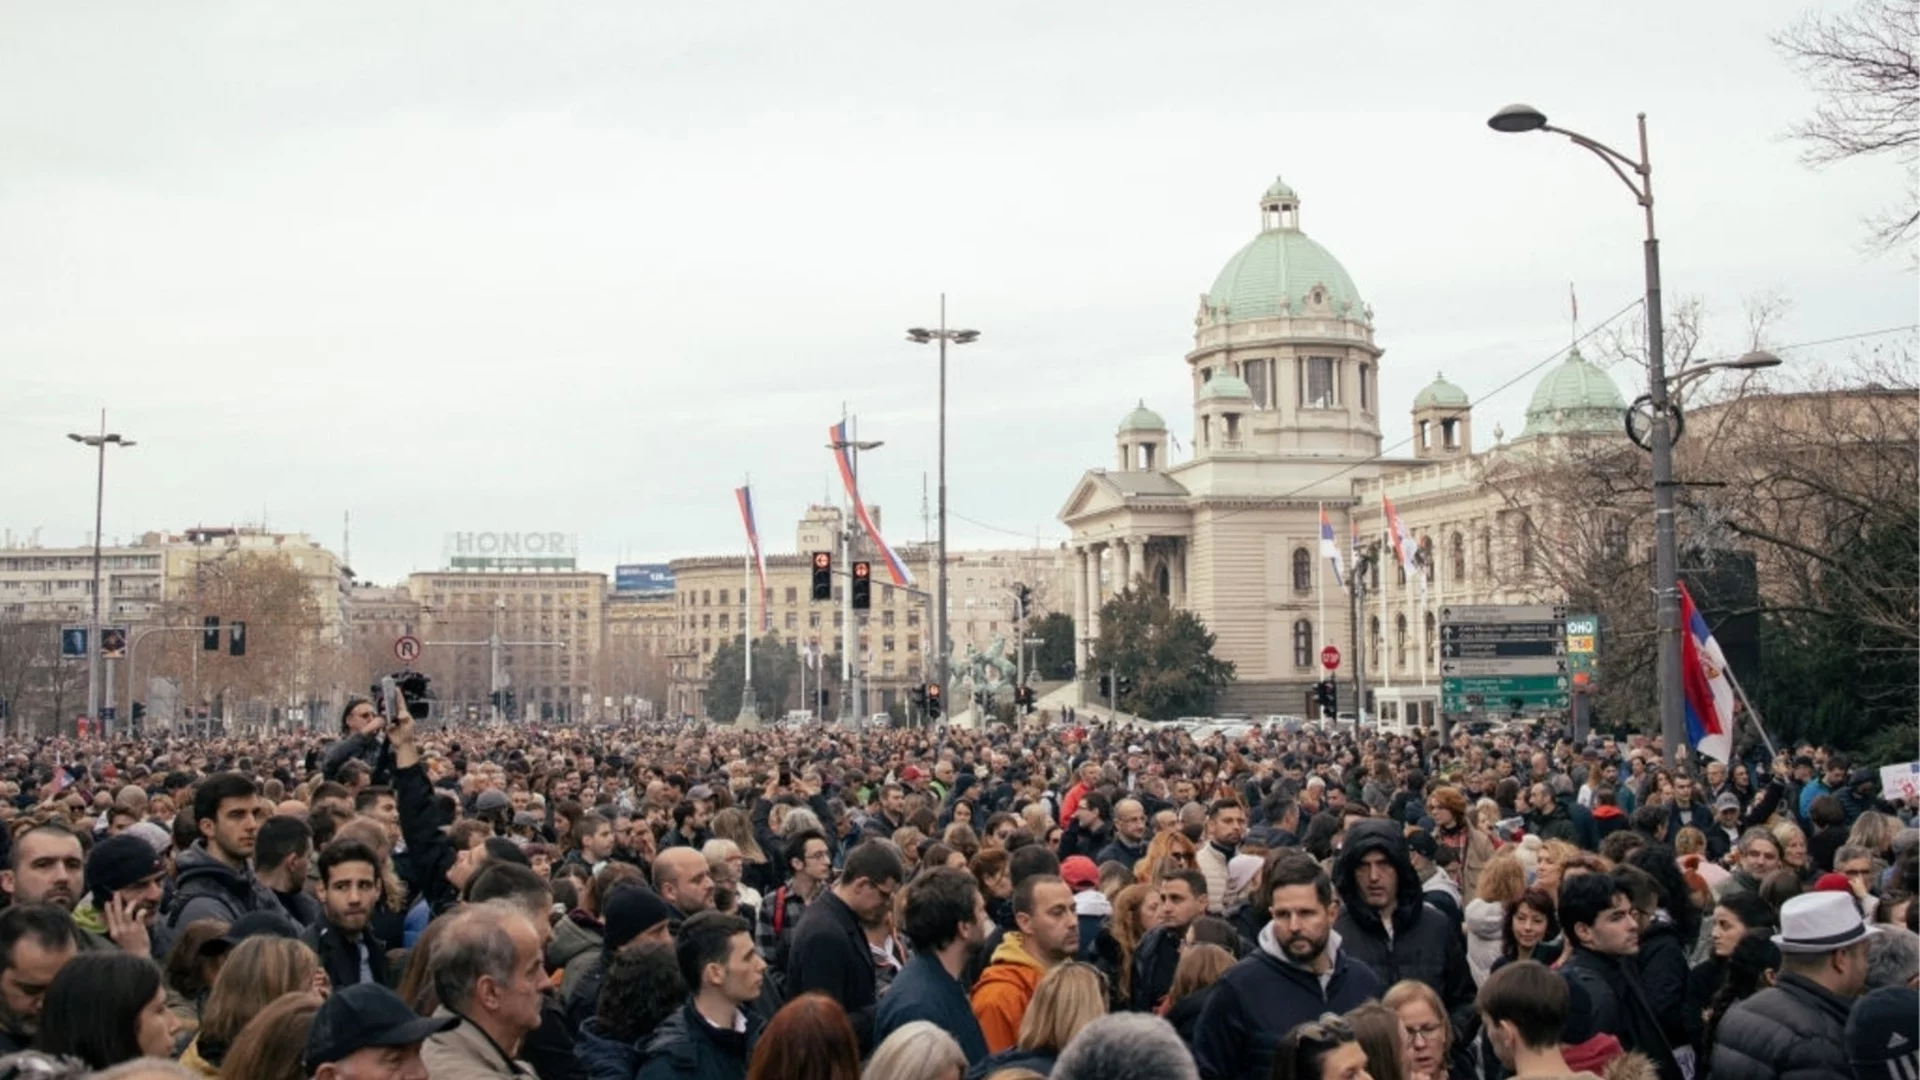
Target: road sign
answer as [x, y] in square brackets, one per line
[1583, 648]
[1504, 657]
[1330, 658]
[406, 648]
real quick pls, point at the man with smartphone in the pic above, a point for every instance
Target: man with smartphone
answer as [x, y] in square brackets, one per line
[365, 741]
[125, 879]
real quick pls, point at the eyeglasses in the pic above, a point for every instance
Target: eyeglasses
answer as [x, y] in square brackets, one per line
[1424, 1033]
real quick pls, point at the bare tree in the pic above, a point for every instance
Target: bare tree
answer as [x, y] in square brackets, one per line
[1862, 64]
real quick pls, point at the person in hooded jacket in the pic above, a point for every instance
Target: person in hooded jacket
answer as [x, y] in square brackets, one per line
[712, 1036]
[1299, 971]
[1386, 922]
[213, 879]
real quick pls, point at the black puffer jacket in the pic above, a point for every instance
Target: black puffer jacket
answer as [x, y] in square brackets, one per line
[1794, 1030]
[1424, 945]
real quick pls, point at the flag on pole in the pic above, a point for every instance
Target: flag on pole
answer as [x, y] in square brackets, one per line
[896, 566]
[1403, 548]
[1330, 549]
[744, 495]
[1708, 685]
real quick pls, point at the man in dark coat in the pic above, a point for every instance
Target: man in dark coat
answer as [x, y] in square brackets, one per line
[1298, 972]
[713, 1034]
[945, 918]
[1386, 922]
[350, 886]
[1797, 1027]
[1598, 917]
[829, 951]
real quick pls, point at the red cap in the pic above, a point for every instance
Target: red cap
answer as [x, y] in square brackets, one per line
[912, 773]
[1832, 882]
[1079, 872]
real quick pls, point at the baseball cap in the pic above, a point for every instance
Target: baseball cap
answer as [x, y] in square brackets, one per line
[1079, 872]
[491, 799]
[366, 1015]
[912, 773]
[1727, 801]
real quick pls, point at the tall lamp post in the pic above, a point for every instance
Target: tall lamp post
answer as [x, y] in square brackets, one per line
[942, 335]
[1662, 415]
[100, 443]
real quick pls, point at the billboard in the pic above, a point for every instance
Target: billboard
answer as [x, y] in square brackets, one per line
[643, 578]
[511, 551]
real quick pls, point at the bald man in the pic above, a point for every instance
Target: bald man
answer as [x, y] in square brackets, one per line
[682, 878]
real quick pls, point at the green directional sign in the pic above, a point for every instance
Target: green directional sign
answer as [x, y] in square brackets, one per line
[1503, 657]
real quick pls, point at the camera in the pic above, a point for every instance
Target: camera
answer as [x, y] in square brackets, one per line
[410, 686]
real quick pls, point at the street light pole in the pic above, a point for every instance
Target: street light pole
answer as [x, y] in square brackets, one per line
[959, 337]
[100, 443]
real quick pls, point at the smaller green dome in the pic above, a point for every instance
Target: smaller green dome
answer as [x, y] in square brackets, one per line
[1280, 190]
[1225, 387]
[1441, 394]
[1575, 398]
[1142, 419]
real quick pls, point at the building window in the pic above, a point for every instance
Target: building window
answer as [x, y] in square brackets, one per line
[793, 595]
[1302, 643]
[723, 597]
[839, 619]
[813, 620]
[1457, 558]
[913, 643]
[1259, 378]
[1486, 555]
[1526, 544]
[1316, 382]
[886, 644]
[706, 621]
[1373, 641]
[1431, 641]
[1302, 570]
[723, 622]
[792, 621]
[913, 616]
[1400, 641]
[886, 617]
[706, 597]
[1366, 392]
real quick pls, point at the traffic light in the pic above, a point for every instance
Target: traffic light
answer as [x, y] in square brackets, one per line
[933, 701]
[1106, 685]
[1023, 698]
[918, 695]
[862, 586]
[1125, 685]
[139, 711]
[1326, 696]
[823, 575]
[497, 699]
[237, 639]
[210, 636]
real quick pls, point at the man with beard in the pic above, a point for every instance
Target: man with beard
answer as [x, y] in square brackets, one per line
[1226, 827]
[1129, 844]
[945, 918]
[125, 879]
[36, 941]
[46, 868]
[216, 874]
[349, 890]
[1298, 972]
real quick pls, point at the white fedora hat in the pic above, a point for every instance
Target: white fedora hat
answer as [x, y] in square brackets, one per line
[1820, 922]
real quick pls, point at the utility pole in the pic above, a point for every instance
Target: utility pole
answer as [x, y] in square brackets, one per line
[943, 335]
[99, 443]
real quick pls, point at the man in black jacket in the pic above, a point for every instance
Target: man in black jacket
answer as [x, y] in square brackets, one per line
[1087, 830]
[829, 952]
[1598, 917]
[1129, 843]
[350, 887]
[364, 741]
[214, 877]
[1298, 972]
[1183, 898]
[1797, 1027]
[1386, 922]
[712, 1036]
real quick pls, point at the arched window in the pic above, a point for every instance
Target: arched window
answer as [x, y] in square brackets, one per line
[1164, 580]
[1486, 554]
[1302, 570]
[1302, 643]
[1373, 642]
[1526, 544]
[1399, 568]
[1431, 642]
[1400, 641]
[1458, 558]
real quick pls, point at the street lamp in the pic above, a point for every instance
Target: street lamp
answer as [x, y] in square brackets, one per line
[920, 336]
[1637, 174]
[100, 443]
[848, 696]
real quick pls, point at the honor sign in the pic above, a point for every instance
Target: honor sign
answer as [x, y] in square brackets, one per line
[511, 551]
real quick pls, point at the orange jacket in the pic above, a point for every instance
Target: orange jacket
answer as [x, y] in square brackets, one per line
[1005, 989]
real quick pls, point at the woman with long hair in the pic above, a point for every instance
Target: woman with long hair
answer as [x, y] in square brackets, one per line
[416, 982]
[1201, 965]
[1734, 916]
[1875, 831]
[1431, 1054]
[1793, 850]
[1502, 882]
[1751, 968]
[1325, 1049]
[1171, 844]
[1068, 998]
[1113, 946]
[1531, 930]
[259, 969]
[190, 970]
[106, 1007]
[273, 1044]
[1384, 1039]
[757, 869]
[917, 1051]
[1453, 829]
[810, 1038]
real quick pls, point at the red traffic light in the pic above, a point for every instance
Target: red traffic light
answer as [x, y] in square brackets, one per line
[933, 691]
[822, 561]
[861, 569]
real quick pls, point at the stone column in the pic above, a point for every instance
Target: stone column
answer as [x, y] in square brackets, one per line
[1179, 571]
[1082, 612]
[1094, 551]
[1122, 565]
[1136, 558]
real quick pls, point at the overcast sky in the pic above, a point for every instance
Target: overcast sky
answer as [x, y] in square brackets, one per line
[582, 266]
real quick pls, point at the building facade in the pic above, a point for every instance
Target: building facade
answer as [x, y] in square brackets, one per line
[1286, 375]
[550, 626]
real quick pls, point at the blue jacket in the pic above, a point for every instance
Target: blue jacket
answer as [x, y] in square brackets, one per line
[1262, 998]
[924, 991]
[604, 1058]
[686, 1047]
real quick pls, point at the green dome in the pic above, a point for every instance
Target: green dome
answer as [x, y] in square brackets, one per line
[1225, 387]
[1277, 271]
[1142, 419]
[1575, 398]
[1441, 394]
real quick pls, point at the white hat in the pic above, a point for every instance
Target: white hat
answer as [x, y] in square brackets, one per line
[1820, 922]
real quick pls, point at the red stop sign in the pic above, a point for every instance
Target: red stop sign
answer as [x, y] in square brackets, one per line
[1330, 658]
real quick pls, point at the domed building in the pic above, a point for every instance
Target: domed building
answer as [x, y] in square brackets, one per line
[1285, 375]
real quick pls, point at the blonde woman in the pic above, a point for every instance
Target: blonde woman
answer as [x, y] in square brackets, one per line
[1793, 850]
[917, 1051]
[1501, 883]
[757, 872]
[257, 971]
[1068, 998]
[1429, 1037]
[1172, 844]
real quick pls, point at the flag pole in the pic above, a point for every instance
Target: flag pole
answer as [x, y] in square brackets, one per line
[1387, 641]
[1741, 691]
[1326, 638]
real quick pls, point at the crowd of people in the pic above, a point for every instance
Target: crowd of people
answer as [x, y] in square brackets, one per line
[1077, 903]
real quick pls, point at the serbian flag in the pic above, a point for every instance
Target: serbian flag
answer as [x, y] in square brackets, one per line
[744, 495]
[1403, 548]
[1330, 549]
[1708, 685]
[896, 567]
